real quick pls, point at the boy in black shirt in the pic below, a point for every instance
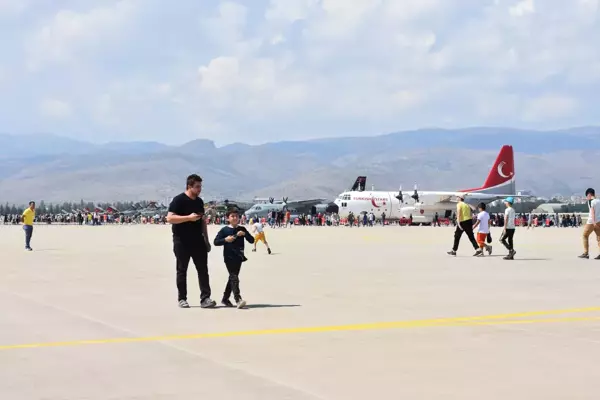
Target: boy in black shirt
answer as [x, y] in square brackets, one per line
[190, 240]
[232, 239]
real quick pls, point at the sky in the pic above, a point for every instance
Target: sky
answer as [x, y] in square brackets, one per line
[266, 70]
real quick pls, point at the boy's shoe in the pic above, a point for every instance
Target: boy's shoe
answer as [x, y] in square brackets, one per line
[253, 250]
[208, 303]
[241, 303]
[227, 303]
[268, 250]
[489, 249]
[585, 255]
[597, 257]
[452, 253]
[478, 253]
[183, 304]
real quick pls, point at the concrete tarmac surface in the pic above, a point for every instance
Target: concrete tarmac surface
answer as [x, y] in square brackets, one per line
[334, 313]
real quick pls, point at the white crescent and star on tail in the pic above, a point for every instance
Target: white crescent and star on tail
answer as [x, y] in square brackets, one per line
[500, 172]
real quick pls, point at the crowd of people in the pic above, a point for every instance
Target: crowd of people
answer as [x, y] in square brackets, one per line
[189, 221]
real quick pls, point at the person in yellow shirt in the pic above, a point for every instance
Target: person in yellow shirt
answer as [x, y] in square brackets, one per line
[28, 217]
[464, 217]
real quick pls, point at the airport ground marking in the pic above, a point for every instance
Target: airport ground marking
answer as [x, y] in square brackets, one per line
[498, 319]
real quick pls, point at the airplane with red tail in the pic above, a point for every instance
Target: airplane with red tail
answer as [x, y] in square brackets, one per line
[422, 205]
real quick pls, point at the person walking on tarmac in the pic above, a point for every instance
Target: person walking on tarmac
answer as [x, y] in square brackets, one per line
[465, 224]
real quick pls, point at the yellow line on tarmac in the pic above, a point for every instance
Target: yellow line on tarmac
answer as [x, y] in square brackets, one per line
[499, 319]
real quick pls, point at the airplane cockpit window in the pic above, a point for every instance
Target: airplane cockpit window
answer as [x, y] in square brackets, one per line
[258, 208]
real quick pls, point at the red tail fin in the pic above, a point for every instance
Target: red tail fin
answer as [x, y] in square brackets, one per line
[501, 176]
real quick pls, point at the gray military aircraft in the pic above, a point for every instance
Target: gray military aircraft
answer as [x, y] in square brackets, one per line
[263, 207]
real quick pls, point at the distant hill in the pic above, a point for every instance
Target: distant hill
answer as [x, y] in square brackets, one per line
[55, 168]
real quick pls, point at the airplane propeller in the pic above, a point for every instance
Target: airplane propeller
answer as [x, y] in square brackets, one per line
[415, 195]
[285, 200]
[271, 200]
[400, 196]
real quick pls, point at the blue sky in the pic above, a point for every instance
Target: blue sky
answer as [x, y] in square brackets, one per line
[252, 71]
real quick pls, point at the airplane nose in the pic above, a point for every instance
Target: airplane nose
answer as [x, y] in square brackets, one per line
[333, 207]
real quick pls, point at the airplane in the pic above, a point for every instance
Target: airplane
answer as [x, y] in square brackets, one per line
[153, 209]
[499, 184]
[262, 209]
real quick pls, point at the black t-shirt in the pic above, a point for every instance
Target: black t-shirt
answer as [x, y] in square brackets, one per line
[187, 231]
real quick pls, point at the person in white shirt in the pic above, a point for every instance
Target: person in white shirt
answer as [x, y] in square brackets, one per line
[509, 228]
[259, 235]
[593, 223]
[483, 222]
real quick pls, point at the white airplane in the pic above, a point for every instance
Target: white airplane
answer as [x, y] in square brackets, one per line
[422, 205]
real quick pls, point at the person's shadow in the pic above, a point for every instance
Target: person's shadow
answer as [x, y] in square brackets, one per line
[251, 306]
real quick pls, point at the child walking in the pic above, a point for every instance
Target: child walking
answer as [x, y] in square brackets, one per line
[509, 229]
[483, 222]
[232, 237]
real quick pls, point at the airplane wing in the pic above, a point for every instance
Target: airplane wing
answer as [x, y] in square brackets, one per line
[305, 202]
[474, 196]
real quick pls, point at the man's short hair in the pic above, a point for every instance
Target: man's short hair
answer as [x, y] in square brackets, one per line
[590, 191]
[231, 210]
[192, 179]
[482, 206]
[32, 203]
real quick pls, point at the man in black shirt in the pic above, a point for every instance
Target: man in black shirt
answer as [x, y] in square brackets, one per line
[190, 240]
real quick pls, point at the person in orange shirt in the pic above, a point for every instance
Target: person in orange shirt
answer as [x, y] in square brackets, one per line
[288, 218]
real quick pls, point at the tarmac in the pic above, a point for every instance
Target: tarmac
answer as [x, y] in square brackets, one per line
[333, 313]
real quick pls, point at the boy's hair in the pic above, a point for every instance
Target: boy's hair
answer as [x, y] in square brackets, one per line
[230, 211]
[482, 206]
[191, 180]
[590, 191]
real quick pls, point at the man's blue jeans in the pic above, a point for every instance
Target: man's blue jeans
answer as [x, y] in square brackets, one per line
[28, 233]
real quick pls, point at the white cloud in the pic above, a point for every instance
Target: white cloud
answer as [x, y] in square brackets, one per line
[297, 67]
[550, 106]
[11, 8]
[70, 33]
[289, 11]
[55, 108]
[220, 75]
[522, 8]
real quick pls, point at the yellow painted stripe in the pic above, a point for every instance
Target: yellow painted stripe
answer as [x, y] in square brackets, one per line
[500, 319]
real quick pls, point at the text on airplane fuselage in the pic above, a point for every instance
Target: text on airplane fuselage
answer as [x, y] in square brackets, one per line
[370, 198]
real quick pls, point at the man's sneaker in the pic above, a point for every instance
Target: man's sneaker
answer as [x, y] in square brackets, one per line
[208, 303]
[511, 255]
[268, 250]
[452, 253]
[28, 249]
[227, 303]
[253, 250]
[489, 249]
[183, 304]
[597, 257]
[585, 255]
[241, 303]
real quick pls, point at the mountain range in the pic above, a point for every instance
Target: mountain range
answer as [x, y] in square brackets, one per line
[55, 168]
